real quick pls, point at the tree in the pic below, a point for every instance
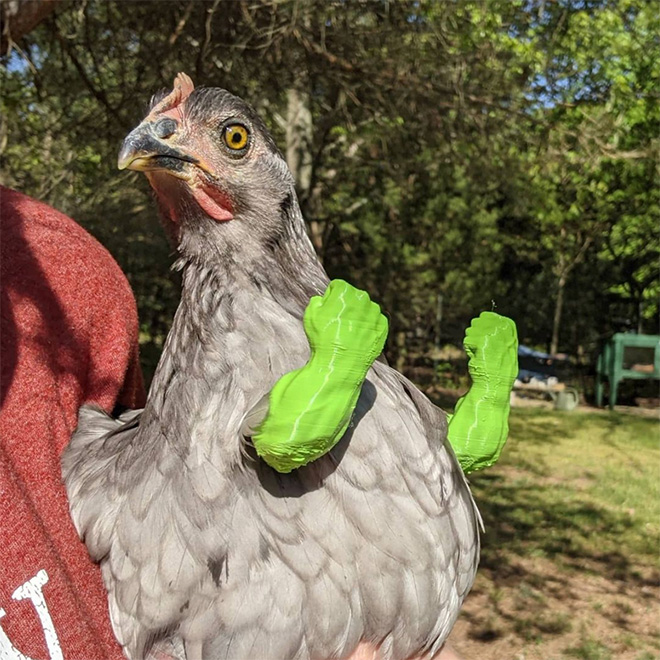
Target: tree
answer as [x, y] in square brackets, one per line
[478, 151]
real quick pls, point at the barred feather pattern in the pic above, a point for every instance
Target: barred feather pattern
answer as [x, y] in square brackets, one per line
[196, 537]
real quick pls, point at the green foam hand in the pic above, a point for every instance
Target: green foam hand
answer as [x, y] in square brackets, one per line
[310, 409]
[480, 424]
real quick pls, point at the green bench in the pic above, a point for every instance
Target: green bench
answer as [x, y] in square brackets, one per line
[626, 356]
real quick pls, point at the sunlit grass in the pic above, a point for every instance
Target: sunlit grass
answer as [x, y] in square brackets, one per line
[589, 649]
[575, 486]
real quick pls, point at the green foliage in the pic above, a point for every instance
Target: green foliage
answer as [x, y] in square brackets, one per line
[501, 151]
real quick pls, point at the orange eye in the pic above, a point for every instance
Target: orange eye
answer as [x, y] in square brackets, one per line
[236, 136]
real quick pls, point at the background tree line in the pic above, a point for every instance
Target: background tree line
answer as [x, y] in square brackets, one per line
[447, 153]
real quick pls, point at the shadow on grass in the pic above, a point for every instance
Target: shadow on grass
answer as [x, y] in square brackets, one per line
[569, 526]
[527, 520]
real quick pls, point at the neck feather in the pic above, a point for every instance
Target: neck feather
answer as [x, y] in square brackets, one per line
[237, 330]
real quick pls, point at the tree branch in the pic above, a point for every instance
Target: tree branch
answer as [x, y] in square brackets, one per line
[98, 94]
[18, 17]
[181, 24]
[201, 57]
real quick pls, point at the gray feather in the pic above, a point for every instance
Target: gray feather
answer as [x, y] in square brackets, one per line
[379, 537]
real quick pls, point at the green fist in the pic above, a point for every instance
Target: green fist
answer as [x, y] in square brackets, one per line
[480, 426]
[345, 328]
[491, 343]
[310, 409]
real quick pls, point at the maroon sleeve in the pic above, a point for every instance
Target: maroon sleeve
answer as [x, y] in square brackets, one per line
[68, 336]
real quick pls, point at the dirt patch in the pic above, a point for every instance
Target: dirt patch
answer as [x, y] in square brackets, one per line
[541, 611]
[650, 412]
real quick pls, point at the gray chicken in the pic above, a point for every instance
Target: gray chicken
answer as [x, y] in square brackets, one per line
[206, 551]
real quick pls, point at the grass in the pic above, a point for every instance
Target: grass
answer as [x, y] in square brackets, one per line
[589, 649]
[571, 555]
[576, 486]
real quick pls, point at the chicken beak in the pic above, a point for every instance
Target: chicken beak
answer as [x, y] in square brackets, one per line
[145, 148]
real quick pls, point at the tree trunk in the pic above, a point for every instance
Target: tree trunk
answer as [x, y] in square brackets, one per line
[563, 267]
[299, 135]
[299, 154]
[556, 321]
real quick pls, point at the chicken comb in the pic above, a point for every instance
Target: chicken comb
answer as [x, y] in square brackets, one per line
[181, 90]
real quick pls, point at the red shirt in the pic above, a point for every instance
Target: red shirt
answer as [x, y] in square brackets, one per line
[68, 336]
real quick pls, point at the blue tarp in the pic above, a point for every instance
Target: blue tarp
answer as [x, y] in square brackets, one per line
[530, 352]
[535, 364]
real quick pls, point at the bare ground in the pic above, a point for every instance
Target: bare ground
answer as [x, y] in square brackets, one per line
[537, 611]
[570, 565]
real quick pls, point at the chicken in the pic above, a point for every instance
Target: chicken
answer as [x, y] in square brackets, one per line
[206, 551]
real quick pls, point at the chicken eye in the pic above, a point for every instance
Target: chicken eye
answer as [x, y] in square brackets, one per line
[236, 136]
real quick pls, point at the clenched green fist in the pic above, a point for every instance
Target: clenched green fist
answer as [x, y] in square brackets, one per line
[480, 426]
[310, 409]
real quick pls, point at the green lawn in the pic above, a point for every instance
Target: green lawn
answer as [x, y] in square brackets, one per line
[575, 485]
[571, 555]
